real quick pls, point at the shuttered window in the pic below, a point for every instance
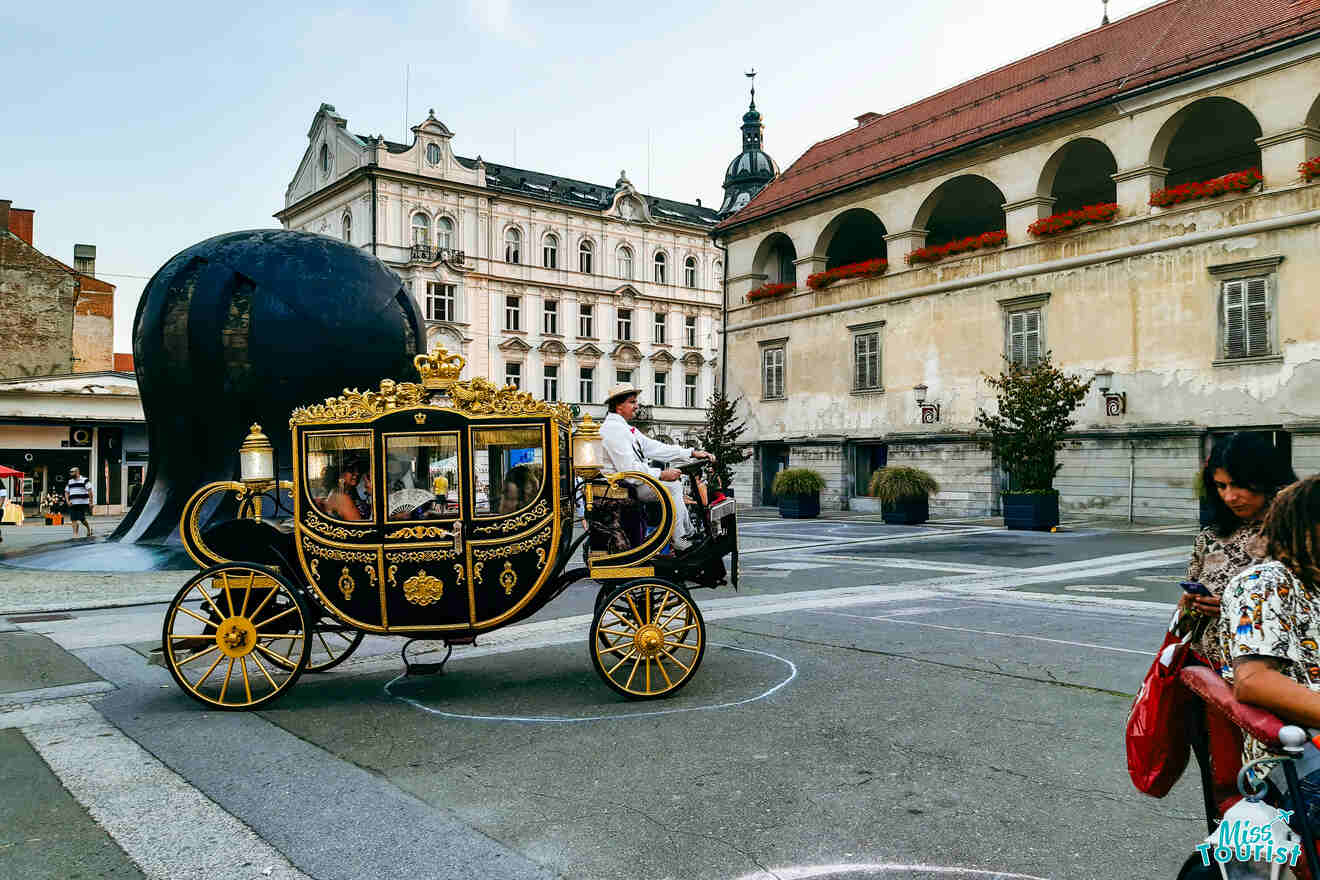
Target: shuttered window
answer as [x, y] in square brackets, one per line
[1024, 337]
[866, 361]
[1246, 318]
[772, 372]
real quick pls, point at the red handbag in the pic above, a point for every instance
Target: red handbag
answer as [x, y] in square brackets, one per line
[1158, 745]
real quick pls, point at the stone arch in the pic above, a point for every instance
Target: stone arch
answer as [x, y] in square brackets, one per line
[852, 236]
[1207, 138]
[1079, 173]
[961, 207]
[776, 259]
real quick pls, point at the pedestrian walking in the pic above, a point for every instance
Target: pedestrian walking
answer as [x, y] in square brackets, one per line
[78, 495]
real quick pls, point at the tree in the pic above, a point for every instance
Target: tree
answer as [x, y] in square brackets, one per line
[1035, 412]
[719, 436]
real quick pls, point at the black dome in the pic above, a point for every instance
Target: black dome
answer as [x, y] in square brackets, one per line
[751, 165]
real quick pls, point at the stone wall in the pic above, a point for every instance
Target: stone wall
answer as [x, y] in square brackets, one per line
[1156, 471]
[36, 323]
[828, 461]
[963, 470]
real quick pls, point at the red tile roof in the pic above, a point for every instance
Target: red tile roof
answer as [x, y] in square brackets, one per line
[1165, 41]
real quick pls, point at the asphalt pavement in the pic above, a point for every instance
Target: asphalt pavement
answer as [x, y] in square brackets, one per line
[943, 700]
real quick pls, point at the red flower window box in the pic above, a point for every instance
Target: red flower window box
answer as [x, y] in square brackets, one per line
[1238, 181]
[1310, 169]
[765, 291]
[864, 269]
[1057, 223]
[962, 245]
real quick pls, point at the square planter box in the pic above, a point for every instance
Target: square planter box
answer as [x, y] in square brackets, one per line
[908, 512]
[799, 506]
[1033, 512]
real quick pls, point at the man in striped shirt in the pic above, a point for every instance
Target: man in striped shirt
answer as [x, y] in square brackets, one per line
[78, 494]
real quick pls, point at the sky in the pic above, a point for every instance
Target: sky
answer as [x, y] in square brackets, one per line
[143, 128]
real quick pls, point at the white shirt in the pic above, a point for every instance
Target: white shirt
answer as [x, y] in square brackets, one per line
[628, 449]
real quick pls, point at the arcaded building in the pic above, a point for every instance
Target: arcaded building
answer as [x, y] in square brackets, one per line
[1136, 201]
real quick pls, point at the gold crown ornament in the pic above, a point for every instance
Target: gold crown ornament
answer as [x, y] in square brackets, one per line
[439, 369]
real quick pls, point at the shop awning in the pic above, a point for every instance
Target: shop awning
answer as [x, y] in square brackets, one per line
[9, 472]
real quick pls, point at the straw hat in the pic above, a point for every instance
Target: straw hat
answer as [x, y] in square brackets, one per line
[623, 389]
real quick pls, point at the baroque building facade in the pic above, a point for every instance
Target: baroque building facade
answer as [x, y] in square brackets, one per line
[1191, 303]
[559, 286]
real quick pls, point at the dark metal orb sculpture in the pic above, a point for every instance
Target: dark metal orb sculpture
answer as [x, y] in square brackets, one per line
[243, 328]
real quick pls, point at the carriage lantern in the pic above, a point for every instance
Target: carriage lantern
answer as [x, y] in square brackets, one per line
[588, 456]
[256, 458]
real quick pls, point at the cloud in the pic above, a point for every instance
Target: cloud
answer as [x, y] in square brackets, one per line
[499, 19]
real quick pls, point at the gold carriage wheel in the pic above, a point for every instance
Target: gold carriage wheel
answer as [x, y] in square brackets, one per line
[647, 639]
[332, 643]
[235, 636]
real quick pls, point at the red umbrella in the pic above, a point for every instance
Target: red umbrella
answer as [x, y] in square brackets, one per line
[9, 472]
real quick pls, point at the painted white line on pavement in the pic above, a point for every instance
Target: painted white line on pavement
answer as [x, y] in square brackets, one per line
[1154, 609]
[917, 564]
[985, 632]
[881, 539]
[167, 827]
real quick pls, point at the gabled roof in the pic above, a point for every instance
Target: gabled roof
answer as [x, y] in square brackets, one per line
[1169, 40]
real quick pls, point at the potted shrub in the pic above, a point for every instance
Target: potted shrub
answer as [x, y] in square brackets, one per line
[904, 494]
[798, 491]
[1035, 413]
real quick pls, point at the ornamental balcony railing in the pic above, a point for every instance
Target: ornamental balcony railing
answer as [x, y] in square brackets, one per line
[422, 253]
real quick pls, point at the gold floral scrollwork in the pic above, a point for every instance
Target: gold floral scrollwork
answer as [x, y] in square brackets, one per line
[346, 583]
[393, 570]
[422, 589]
[458, 570]
[476, 572]
[314, 565]
[481, 397]
[508, 579]
[421, 555]
[371, 575]
[502, 551]
[321, 527]
[540, 557]
[336, 554]
[517, 522]
[420, 532]
[354, 404]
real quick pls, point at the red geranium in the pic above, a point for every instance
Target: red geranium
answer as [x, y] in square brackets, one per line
[1238, 181]
[765, 291]
[1057, 223]
[1310, 169]
[971, 243]
[864, 269]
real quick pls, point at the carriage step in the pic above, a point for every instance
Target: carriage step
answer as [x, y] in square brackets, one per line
[411, 669]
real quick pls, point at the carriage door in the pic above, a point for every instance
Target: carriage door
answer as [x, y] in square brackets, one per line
[422, 492]
[514, 521]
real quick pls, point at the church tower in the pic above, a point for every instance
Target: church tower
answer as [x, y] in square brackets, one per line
[751, 169]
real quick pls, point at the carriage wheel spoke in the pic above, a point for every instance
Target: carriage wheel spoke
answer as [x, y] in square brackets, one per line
[229, 596]
[668, 681]
[208, 672]
[628, 683]
[648, 674]
[675, 659]
[625, 621]
[259, 625]
[225, 686]
[663, 603]
[191, 657]
[210, 601]
[247, 592]
[677, 611]
[680, 645]
[270, 595]
[325, 644]
[615, 632]
[678, 632]
[648, 607]
[197, 616]
[262, 667]
[623, 660]
[247, 685]
[633, 606]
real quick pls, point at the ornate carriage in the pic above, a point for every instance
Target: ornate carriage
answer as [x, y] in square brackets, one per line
[436, 510]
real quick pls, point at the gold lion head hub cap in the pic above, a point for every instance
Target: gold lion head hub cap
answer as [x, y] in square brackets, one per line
[236, 636]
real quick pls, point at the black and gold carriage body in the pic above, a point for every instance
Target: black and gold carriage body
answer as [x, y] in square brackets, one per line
[489, 544]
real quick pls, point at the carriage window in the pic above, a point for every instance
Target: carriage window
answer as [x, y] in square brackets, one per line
[338, 475]
[422, 476]
[508, 467]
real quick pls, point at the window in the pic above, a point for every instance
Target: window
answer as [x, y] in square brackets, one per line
[1024, 337]
[508, 469]
[587, 384]
[690, 331]
[690, 272]
[513, 313]
[439, 301]
[513, 374]
[336, 464]
[421, 230]
[717, 271]
[621, 376]
[512, 245]
[552, 382]
[661, 385]
[433, 154]
[660, 319]
[325, 159]
[625, 324]
[690, 390]
[866, 361]
[348, 228]
[585, 325]
[550, 252]
[1246, 318]
[659, 267]
[421, 461]
[551, 323]
[772, 372]
[625, 262]
[444, 233]
[585, 251]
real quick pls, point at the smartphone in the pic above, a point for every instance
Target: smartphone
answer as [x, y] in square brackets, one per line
[1194, 588]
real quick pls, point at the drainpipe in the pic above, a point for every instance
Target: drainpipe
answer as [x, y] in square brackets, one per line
[1132, 480]
[724, 318]
[372, 178]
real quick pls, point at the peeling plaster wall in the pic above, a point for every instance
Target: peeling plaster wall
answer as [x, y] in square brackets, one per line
[36, 323]
[94, 332]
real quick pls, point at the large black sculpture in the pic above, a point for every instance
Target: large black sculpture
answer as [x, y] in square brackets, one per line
[243, 328]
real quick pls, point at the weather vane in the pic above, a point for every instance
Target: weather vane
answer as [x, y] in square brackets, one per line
[751, 74]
